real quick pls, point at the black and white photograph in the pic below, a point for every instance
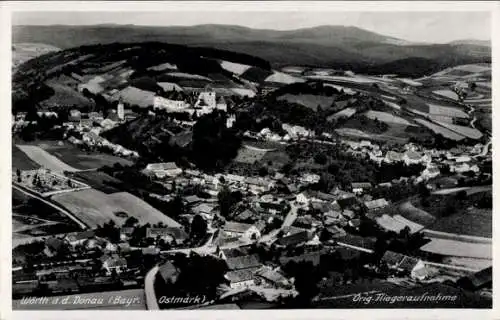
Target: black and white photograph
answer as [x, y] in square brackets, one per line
[250, 159]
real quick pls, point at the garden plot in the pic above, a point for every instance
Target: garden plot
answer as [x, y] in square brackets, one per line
[464, 131]
[387, 117]
[347, 113]
[447, 94]
[446, 111]
[392, 105]
[236, 68]
[346, 90]
[310, 101]
[280, 77]
[440, 130]
[435, 117]
[244, 92]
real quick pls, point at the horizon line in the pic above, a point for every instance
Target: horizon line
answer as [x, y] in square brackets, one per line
[244, 27]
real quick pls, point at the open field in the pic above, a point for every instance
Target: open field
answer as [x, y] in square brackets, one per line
[412, 213]
[99, 181]
[447, 111]
[464, 131]
[135, 296]
[347, 113]
[82, 160]
[386, 117]
[446, 93]
[21, 161]
[447, 247]
[438, 129]
[94, 208]
[250, 155]
[439, 118]
[338, 87]
[236, 68]
[308, 100]
[45, 159]
[472, 222]
[66, 96]
[392, 105]
[280, 77]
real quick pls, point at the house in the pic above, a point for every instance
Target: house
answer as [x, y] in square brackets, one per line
[303, 198]
[168, 234]
[360, 187]
[479, 280]
[293, 239]
[258, 185]
[272, 278]
[241, 278]
[80, 238]
[413, 157]
[192, 200]
[393, 156]
[313, 257]
[203, 209]
[347, 203]
[241, 270]
[376, 204]
[430, 172]
[335, 232]
[246, 215]
[233, 252]
[404, 264]
[74, 115]
[242, 230]
[164, 169]
[114, 263]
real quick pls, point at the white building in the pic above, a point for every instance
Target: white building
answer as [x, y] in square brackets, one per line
[161, 103]
[120, 111]
[162, 170]
[242, 230]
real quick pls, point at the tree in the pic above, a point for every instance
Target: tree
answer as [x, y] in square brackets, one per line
[198, 227]
[130, 222]
[226, 201]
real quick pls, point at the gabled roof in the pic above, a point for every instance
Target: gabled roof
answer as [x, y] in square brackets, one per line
[162, 166]
[413, 155]
[363, 185]
[241, 275]
[296, 238]
[177, 233]
[82, 235]
[236, 227]
[376, 204]
[243, 262]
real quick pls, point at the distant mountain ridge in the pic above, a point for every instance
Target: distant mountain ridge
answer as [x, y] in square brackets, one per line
[344, 47]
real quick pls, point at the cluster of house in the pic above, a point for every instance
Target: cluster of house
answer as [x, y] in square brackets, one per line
[91, 138]
[459, 160]
[292, 133]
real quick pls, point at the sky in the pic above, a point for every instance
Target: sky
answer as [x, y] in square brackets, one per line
[434, 27]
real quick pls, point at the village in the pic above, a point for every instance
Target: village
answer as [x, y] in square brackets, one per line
[262, 227]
